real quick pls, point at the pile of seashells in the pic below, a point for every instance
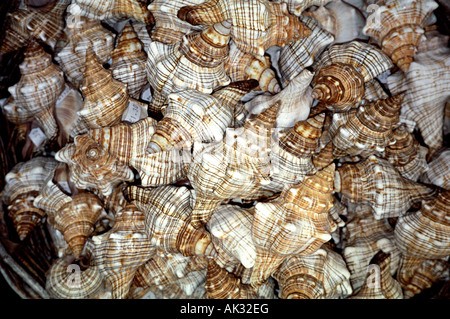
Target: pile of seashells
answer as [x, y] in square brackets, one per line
[233, 148]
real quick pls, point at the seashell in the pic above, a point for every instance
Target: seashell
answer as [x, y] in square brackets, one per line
[375, 182]
[242, 66]
[399, 28]
[168, 27]
[374, 91]
[192, 116]
[272, 23]
[434, 40]
[196, 62]
[297, 222]
[143, 33]
[167, 220]
[295, 56]
[319, 275]
[294, 101]
[22, 186]
[44, 25]
[438, 172]
[340, 19]
[220, 284]
[91, 166]
[114, 10]
[128, 61]
[380, 284]
[235, 167]
[69, 102]
[84, 35]
[367, 130]
[363, 237]
[34, 96]
[122, 250]
[342, 71]
[406, 154]
[291, 158]
[324, 157]
[298, 7]
[425, 84]
[69, 278]
[105, 99]
[230, 227]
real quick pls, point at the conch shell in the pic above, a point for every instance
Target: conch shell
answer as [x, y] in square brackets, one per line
[128, 61]
[438, 172]
[375, 182]
[342, 71]
[35, 95]
[298, 7]
[114, 10]
[22, 185]
[271, 23]
[398, 26]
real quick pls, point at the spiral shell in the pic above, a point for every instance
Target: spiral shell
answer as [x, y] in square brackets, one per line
[399, 28]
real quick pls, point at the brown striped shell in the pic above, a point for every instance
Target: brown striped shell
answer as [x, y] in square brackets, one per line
[438, 172]
[399, 28]
[375, 182]
[297, 7]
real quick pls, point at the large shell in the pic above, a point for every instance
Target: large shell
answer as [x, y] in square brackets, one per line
[114, 10]
[367, 130]
[438, 172]
[167, 220]
[34, 96]
[294, 101]
[295, 56]
[42, 25]
[244, 66]
[379, 283]
[105, 99]
[406, 154]
[84, 34]
[362, 238]
[426, 84]
[398, 27]
[23, 184]
[271, 23]
[128, 61]
[122, 250]
[168, 27]
[320, 275]
[342, 71]
[196, 62]
[297, 222]
[342, 20]
[375, 182]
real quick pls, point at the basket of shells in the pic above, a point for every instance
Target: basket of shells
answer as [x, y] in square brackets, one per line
[225, 149]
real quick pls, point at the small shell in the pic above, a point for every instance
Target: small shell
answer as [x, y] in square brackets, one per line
[380, 284]
[74, 279]
[167, 220]
[425, 83]
[342, 71]
[196, 62]
[244, 66]
[115, 10]
[376, 182]
[105, 99]
[297, 7]
[42, 25]
[84, 34]
[294, 101]
[22, 185]
[272, 23]
[34, 96]
[128, 61]
[438, 172]
[406, 154]
[342, 20]
[297, 222]
[168, 27]
[122, 250]
[398, 27]
[295, 56]
[367, 130]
